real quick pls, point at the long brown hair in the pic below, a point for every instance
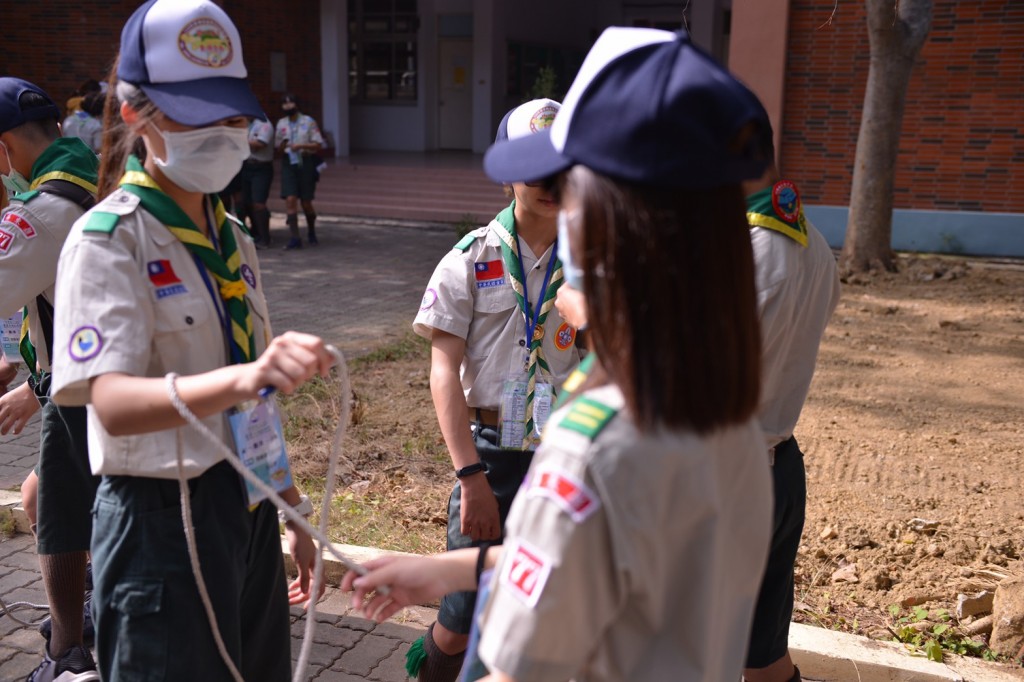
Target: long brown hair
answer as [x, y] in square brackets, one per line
[669, 284]
[119, 140]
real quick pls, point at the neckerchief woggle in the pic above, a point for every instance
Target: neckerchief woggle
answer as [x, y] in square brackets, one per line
[779, 208]
[535, 318]
[224, 265]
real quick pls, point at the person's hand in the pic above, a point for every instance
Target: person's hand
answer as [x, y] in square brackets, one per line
[478, 511]
[288, 362]
[571, 306]
[410, 581]
[8, 372]
[16, 408]
[303, 551]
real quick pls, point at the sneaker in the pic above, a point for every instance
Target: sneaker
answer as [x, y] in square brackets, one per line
[76, 665]
[293, 243]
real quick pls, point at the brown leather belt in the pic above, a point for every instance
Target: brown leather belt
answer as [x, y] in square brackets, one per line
[483, 417]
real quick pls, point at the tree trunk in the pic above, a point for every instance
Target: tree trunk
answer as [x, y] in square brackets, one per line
[896, 30]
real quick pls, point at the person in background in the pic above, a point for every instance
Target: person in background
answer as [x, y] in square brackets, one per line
[257, 176]
[87, 123]
[651, 487]
[299, 141]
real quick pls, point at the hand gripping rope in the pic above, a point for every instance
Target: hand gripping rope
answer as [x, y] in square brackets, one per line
[320, 535]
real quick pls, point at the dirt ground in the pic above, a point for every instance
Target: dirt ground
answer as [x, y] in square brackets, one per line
[913, 436]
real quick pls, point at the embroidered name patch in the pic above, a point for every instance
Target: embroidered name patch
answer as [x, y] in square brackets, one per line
[428, 300]
[6, 239]
[564, 337]
[20, 223]
[526, 573]
[85, 344]
[489, 274]
[248, 275]
[568, 492]
[162, 276]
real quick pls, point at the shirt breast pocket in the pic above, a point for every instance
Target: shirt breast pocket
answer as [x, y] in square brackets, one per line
[493, 319]
[495, 300]
[177, 321]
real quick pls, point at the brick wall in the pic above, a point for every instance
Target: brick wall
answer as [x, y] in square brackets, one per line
[60, 43]
[963, 130]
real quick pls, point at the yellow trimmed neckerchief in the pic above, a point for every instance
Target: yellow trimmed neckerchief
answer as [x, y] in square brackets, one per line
[779, 208]
[225, 266]
[506, 231]
[25, 347]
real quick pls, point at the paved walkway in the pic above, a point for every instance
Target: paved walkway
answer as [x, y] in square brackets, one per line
[359, 288]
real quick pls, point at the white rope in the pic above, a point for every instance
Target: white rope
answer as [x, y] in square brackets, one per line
[320, 535]
[9, 610]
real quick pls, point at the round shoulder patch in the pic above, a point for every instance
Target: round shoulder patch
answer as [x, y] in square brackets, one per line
[565, 336]
[206, 43]
[786, 200]
[85, 344]
[428, 300]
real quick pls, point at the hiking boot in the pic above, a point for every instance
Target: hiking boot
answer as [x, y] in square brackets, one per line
[293, 243]
[76, 665]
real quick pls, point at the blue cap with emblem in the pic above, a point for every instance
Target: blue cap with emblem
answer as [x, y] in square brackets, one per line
[11, 115]
[186, 55]
[649, 107]
[526, 119]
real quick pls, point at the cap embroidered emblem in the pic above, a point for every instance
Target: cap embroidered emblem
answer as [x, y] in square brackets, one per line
[544, 117]
[206, 43]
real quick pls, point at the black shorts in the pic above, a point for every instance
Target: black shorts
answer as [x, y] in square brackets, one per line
[507, 469]
[298, 180]
[256, 179]
[67, 487]
[769, 634]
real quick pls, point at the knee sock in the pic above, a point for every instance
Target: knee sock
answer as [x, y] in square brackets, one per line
[429, 664]
[311, 223]
[293, 224]
[263, 215]
[64, 579]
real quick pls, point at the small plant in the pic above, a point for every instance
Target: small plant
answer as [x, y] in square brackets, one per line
[466, 224]
[544, 85]
[931, 634]
[8, 526]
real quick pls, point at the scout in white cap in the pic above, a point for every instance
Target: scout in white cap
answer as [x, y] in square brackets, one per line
[158, 279]
[500, 352]
[650, 490]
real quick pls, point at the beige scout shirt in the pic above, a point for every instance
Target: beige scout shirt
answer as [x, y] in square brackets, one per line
[631, 557]
[31, 236]
[797, 290]
[138, 302]
[490, 320]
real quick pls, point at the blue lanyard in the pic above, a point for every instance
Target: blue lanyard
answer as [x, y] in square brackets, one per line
[531, 324]
[218, 304]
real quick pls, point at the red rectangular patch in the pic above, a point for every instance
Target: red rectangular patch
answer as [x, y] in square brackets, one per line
[22, 224]
[492, 269]
[161, 274]
[575, 498]
[6, 238]
[526, 573]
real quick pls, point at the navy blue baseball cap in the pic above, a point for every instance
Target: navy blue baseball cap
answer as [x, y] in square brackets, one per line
[186, 55]
[11, 115]
[648, 107]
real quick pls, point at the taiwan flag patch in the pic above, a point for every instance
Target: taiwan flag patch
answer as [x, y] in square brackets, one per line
[161, 274]
[489, 274]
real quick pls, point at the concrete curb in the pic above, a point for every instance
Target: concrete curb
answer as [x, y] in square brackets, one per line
[823, 655]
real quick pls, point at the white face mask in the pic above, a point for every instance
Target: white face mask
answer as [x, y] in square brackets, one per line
[572, 273]
[14, 181]
[205, 159]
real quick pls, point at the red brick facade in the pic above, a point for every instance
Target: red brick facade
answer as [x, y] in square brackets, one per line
[963, 130]
[62, 43]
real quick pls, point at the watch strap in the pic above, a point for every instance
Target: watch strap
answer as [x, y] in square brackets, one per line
[471, 469]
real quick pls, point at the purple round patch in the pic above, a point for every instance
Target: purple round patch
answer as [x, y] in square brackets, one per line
[429, 298]
[85, 344]
[248, 275]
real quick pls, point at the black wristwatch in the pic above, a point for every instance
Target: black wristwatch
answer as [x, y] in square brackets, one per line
[470, 470]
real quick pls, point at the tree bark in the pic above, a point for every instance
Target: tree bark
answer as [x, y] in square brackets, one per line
[896, 30]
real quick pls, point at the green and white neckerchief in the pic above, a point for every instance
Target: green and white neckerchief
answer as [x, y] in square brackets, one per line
[506, 231]
[225, 266]
[25, 347]
[67, 159]
[779, 208]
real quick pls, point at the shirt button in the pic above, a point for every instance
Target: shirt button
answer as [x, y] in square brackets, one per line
[522, 342]
[189, 320]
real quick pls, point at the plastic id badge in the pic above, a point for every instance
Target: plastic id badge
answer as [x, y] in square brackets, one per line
[259, 442]
[512, 413]
[10, 332]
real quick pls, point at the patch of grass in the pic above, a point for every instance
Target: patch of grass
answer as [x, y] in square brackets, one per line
[407, 347]
[930, 634]
[466, 224]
